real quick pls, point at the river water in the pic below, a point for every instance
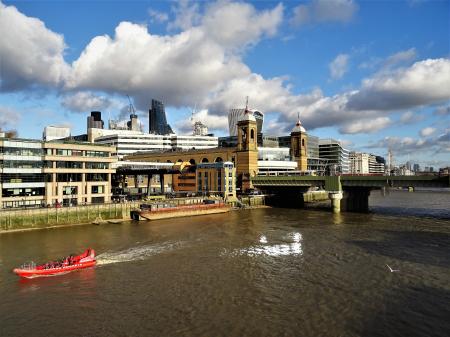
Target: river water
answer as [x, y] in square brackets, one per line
[261, 272]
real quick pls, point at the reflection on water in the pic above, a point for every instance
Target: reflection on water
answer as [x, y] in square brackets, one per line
[262, 272]
[293, 248]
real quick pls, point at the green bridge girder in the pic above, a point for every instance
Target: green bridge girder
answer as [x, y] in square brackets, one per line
[337, 183]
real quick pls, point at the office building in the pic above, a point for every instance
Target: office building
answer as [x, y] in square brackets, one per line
[157, 119]
[275, 159]
[34, 173]
[376, 164]
[95, 120]
[128, 142]
[336, 155]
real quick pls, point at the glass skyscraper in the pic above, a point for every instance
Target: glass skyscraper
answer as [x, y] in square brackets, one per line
[157, 119]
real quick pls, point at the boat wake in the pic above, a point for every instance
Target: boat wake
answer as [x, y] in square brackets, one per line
[136, 253]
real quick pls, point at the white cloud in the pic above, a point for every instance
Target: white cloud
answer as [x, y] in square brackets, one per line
[318, 11]
[187, 15]
[423, 83]
[428, 131]
[158, 16]
[409, 117]
[400, 57]
[366, 126]
[238, 24]
[9, 117]
[442, 111]
[30, 53]
[339, 66]
[213, 122]
[85, 102]
[204, 65]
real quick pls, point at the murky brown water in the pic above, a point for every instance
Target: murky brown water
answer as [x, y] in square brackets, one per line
[265, 272]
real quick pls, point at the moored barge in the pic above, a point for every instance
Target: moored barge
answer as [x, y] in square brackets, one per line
[166, 210]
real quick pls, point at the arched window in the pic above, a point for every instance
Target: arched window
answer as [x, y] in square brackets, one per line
[179, 160]
[169, 161]
[192, 161]
[205, 160]
[218, 160]
[303, 142]
[252, 134]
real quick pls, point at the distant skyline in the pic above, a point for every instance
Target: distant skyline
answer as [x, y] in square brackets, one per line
[373, 74]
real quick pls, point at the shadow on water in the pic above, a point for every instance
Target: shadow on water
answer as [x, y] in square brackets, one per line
[416, 311]
[430, 248]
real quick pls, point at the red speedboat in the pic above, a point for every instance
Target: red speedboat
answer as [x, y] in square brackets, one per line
[63, 266]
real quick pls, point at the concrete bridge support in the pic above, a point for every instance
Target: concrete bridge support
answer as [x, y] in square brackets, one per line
[335, 198]
[356, 199]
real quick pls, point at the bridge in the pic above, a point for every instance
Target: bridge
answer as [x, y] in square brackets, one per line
[351, 193]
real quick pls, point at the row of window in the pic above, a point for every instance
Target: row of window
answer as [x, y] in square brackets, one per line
[49, 164]
[60, 177]
[19, 151]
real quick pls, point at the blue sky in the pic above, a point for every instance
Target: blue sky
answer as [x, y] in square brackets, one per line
[374, 74]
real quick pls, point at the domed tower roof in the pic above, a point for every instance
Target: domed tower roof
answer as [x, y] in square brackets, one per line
[247, 116]
[298, 126]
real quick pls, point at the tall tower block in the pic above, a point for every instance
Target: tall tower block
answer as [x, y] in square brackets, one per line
[298, 146]
[247, 150]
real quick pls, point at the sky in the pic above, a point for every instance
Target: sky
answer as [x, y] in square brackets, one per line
[372, 74]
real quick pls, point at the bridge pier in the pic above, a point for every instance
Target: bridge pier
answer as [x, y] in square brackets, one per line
[356, 199]
[335, 198]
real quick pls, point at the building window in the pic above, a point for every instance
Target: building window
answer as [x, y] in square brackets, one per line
[97, 189]
[70, 190]
[96, 177]
[69, 164]
[199, 182]
[98, 200]
[96, 166]
[97, 154]
[68, 177]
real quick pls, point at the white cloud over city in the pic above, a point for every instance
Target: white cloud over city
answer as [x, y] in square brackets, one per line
[201, 61]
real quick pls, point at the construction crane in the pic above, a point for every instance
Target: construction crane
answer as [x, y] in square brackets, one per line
[131, 108]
